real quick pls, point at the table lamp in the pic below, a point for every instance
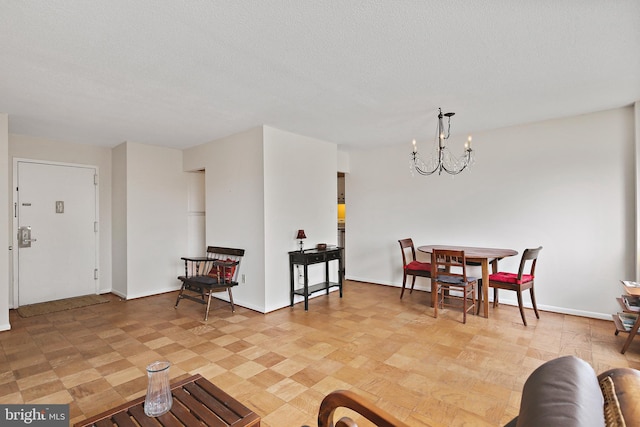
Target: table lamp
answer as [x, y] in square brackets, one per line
[301, 236]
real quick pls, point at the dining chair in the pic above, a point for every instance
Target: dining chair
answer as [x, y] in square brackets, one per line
[410, 266]
[518, 282]
[450, 274]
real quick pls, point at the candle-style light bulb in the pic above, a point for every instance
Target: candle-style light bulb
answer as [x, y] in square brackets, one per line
[415, 149]
[467, 145]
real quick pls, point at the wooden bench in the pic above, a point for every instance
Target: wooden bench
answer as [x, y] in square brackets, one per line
[215, 272]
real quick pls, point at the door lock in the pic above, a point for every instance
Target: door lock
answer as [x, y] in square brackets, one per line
[24, 237]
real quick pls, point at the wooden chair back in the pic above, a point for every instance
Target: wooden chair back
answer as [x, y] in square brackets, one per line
[530, 257]
[450, 263]
[406, 246]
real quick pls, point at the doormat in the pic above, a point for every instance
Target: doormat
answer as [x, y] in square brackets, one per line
[60, 305]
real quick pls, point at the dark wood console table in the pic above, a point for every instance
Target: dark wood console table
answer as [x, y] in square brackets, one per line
[196, 402]
[315, 256]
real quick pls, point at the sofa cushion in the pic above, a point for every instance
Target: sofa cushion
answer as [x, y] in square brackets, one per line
[510, 278]
[417, 265]
[562, 392]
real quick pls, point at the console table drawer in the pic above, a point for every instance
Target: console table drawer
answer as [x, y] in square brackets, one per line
[315, 258]
[333, 255]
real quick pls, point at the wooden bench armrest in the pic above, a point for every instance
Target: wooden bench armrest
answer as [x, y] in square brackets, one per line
[350, 400]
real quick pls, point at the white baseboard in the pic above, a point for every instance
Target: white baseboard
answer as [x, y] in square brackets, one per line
[507, 301]
[149, 293]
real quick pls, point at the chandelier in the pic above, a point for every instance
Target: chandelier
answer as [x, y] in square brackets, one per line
[441, 158]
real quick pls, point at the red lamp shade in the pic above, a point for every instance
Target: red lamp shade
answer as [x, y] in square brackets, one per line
[301, 235]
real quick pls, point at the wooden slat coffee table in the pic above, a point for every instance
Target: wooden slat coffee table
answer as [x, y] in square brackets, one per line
[196, 402]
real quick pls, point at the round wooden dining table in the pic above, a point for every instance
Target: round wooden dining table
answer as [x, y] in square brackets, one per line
[483, 256]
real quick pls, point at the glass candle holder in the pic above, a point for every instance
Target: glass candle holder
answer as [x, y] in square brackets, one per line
[158, 400]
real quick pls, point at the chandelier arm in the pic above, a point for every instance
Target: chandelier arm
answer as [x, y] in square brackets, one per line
[467, 162]
[417, 168]
[454, 172]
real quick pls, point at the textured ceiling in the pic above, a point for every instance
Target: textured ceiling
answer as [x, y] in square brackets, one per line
[359, 73]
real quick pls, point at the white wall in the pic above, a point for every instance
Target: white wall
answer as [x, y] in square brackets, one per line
[150, 223]
[5, 224]
[565, 184]
[343, 162]
[235, 205]
[636, 110]
[196, 210]
[156, 208]
[119, 211]
[300, 186]
[262, 185]
[29, 147]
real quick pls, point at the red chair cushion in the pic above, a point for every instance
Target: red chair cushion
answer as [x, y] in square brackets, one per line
[417, 265]
[510, 278]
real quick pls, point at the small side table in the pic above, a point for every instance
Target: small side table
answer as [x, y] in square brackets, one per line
[618, 322]
[196, 401]
[315, 256]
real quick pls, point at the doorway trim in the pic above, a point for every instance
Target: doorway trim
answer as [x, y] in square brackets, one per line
[13, 300]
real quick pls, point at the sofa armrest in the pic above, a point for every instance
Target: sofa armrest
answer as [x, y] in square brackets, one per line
[562, 392]
[624, 386]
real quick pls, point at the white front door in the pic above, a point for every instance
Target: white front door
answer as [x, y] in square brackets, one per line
[57, 204]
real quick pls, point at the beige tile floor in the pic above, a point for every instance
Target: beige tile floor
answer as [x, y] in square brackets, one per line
[425, 371]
